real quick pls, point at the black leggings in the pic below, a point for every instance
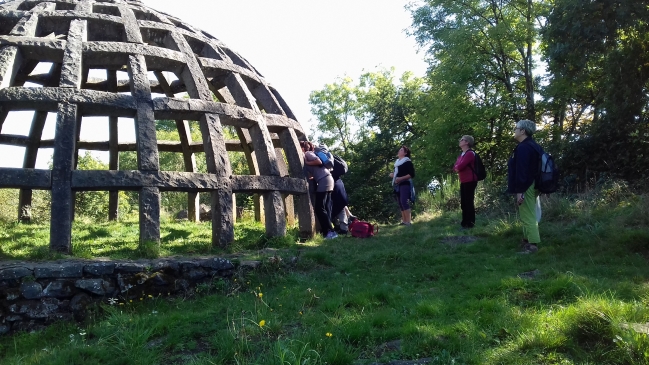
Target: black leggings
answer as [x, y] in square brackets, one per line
[322, 210]
[467, 198]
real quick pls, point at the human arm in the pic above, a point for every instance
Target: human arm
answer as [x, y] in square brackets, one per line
[311, 159]
[398, 180]
[465, 161]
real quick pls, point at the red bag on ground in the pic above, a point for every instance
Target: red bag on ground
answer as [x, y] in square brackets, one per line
[361, 229]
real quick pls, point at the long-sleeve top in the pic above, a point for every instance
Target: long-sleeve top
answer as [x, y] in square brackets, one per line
[523, 166]
[465, 166]
[407, 168]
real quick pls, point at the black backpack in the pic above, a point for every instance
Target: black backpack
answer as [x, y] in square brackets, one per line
[547, 179]
[479, 169]
[340, 167]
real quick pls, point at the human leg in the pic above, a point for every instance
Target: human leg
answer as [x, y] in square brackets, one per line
[404, 195]
[527, 212]
[321, 212]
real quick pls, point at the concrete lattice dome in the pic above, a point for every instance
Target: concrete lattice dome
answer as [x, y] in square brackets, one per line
[117, 36]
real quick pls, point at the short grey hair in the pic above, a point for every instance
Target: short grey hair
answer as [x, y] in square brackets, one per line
[469, 140]
[527, 125]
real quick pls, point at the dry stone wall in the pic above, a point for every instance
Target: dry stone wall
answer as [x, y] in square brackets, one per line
[34, 295]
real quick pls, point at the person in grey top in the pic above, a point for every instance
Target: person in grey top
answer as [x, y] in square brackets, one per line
[324, 186]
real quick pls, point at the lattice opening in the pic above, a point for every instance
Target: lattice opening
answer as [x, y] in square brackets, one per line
[236, 59]
[17, 123]
[159, 82]
[27, 5]
[141, 15]
[172, 156]
[65, 6]
[7, 24]
[202, 49]
[180, 24]
[158, 37]
[53, 27]
[106, 9]
[15, 151]
[105, 31]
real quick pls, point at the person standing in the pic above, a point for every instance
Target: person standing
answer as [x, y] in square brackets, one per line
[404, 172]
[465, 168]
[324, 186]
[522, 169]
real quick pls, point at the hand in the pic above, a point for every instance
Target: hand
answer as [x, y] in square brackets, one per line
[391, 174]
[520, 197]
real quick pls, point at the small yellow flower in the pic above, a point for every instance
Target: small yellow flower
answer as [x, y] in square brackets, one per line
[329, 334]
[130, 300]
[262, 323]
[301, 313]
[121, 303]
[150, 296]
[141, 298]
[260, 295]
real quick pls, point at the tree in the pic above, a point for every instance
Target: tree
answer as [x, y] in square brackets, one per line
[597, 53]
[335, 107]
[481, 77]
[385, 115]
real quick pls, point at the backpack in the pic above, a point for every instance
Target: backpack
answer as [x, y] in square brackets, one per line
[325, 156]
[547, 179]
[479, 169]
[360, 229]
[340, 167]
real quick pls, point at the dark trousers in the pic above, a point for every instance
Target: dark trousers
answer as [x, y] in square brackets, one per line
[322, 210]
[467, 198]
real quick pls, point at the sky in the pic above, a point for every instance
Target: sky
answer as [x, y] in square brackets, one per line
[297, 45]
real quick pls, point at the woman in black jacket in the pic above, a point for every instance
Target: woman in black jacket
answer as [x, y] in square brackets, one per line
[523, 168]
[402, 176]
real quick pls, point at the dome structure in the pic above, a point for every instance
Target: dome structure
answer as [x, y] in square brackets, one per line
[172, 71]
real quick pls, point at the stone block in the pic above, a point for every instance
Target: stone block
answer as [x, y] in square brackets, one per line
[14, 273]
[67, 270]
[129, 268]
[216, 264]
[59, 289]
[100, 268]
[196, 274]
[96, 286]
[32, 290]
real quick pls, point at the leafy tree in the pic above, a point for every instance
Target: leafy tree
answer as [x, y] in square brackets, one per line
[482, 56]
[335, 107]
[597, 53]
[386, 115]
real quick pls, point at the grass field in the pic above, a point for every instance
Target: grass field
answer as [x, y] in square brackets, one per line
[426, 291]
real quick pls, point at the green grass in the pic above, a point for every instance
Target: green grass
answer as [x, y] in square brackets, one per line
[456, 304]
[119, 240]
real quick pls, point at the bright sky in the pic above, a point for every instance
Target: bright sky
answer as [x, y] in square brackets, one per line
[298, 45]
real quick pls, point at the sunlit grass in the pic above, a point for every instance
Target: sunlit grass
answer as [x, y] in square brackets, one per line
[584, 301]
